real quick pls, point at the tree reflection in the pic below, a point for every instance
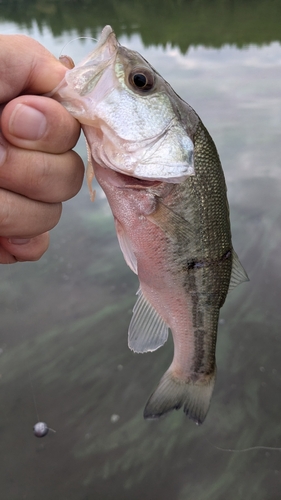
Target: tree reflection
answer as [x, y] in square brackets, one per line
[179, 22]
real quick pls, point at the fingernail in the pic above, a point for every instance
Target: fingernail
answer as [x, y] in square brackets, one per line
[27, 123]
[3, 154]
[19, 241]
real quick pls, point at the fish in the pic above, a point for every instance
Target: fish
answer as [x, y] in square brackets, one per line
[161, 173]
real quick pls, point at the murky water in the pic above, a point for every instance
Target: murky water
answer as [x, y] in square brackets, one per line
[63, 334]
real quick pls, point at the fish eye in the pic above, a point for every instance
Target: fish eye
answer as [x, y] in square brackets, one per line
[141, 79]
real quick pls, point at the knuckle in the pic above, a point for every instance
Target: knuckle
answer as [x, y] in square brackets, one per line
[63, 130]
[6, 211]
[55, 210]
[34, 250]
[41, 177]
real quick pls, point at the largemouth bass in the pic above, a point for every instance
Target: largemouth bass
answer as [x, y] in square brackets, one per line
[162, 176]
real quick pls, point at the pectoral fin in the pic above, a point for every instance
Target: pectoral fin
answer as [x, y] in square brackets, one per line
[171, 223]
[147, 330]
[238, 273]
[126, 247]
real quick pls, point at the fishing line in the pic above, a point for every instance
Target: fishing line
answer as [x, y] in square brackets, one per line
[40, 429]
[33, 395]
[77, 38]
[243, 450]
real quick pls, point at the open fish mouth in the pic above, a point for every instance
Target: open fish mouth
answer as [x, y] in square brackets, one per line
[86, 75]
[132, 182]
[125, 181]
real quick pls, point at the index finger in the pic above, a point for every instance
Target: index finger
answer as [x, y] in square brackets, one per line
[26, 67]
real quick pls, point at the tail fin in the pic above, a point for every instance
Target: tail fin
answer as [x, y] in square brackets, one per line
[172, 393]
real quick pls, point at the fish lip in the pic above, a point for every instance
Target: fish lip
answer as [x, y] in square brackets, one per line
[106, 32]
[107, 46]
[96, 63]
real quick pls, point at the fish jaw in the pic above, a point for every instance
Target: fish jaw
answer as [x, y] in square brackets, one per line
[147, 158]
[86, 75]
[74, 92]
[138, 133]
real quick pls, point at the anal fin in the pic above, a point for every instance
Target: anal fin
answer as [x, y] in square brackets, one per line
[147, 330]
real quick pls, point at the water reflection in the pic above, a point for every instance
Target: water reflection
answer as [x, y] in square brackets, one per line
[181, 23]
[64, 319]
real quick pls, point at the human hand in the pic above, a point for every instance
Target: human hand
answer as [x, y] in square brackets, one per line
[38, 170]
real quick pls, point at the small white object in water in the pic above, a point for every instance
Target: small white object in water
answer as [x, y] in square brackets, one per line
[41, 429]
[114, 418]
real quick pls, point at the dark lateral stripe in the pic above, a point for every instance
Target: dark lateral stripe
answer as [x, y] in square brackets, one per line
[195, 264]
[199, 346]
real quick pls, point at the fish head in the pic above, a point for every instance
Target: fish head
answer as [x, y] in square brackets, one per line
[133, 121]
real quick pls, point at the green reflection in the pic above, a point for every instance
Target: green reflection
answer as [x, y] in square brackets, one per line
[179, 22]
